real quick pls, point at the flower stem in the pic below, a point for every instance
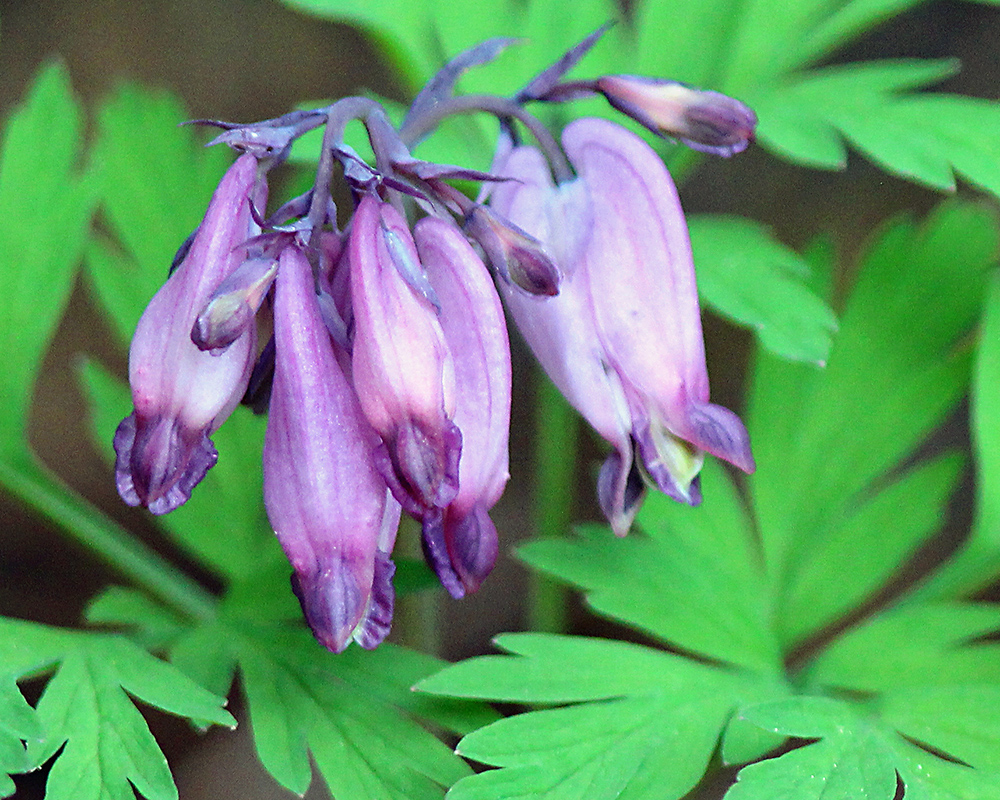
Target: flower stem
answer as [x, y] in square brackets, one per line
[44, 492]
[556, 435]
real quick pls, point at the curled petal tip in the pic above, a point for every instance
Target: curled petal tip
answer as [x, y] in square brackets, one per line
[461, 548]
[332, 601]
[620, 490]
[377, 620]
[722, 433]
[420, 468]
[158, 463]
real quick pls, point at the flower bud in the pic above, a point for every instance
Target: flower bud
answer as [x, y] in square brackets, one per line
[232, 307]
[515, 256]
[703, 120]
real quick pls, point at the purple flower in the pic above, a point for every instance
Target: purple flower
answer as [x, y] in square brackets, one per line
[327, 504]
[703, 120]
[622, 340]
[180, 393]
[460, 541]
[402, 367]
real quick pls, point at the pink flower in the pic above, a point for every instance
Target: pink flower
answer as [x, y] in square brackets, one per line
[327, 504]
[182, 394]
[403, 369]
[622, 340]
[460, 541]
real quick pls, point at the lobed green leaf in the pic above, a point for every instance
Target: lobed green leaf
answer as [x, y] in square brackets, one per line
[693, 580]
[101, 743]
[39, 182]
[746, 275]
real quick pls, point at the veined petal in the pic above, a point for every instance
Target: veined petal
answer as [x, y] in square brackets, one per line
[324, 498]
[402, 368]
[462, 542]
[644, 295]
[181, 394]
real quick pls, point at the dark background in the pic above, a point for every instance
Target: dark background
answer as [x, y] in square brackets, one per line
[253, 59]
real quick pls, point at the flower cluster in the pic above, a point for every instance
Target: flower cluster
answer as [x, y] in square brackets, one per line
[386, 377]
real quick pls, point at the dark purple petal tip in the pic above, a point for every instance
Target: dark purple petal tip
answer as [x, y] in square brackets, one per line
[620, 490]
[720, 432]
[377, 621]
[158, 463]
[331, 601]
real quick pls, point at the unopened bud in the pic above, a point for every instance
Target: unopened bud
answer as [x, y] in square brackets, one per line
[704, 120]
[232, 307]
[515, 256]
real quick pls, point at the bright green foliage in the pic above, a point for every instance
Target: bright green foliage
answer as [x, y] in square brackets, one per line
[84, 710]
[40, 182]
[744, 274]
[921, 137]
[18, 724]
[839, 504]
[644, 722]
[353, 714]
[692, 580]
[979, 560]
[828, 441]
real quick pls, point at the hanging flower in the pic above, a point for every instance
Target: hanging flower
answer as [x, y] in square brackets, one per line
[622, 340]
[182, 394]
[330, 509]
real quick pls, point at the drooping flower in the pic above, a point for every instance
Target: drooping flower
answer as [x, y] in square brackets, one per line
[180, 393]
[402, 367]
[330, 509]
[622, 340]
[460, 540]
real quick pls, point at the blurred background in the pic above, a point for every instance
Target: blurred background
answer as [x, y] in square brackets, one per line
[253, 59]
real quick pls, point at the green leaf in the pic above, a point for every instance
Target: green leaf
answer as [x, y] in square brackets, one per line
[353, 715]
[151, 624]
[818, 593]
[684, 41]
[859, 755]
[746, 275]
[921, 137]
[693, 580]
[49, 207]
[85, 715]
[634, 747]
[18, 723]
[847, 21]
[936, 779]
[306, 703]
[851, 760]
[643, 723]
[884, 374]
[154, 181]
[959, 720]
[977, 562]
[912, 646]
